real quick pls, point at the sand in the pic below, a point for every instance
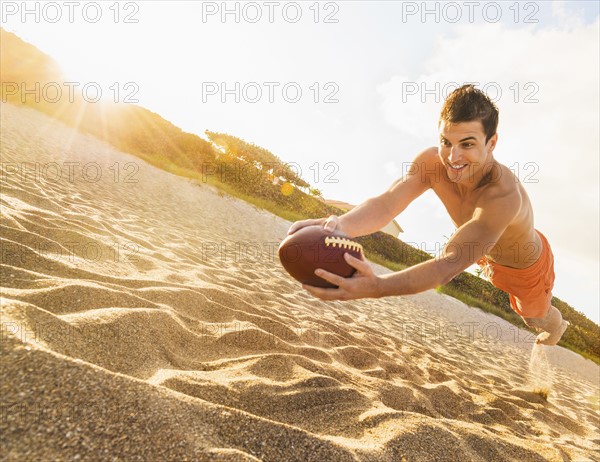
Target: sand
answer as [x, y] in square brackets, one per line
[146, 317]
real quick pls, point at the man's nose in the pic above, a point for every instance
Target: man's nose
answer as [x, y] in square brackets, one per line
[454, 154]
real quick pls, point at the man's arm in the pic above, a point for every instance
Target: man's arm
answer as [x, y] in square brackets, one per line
[467, 245]
[494, 212]
[375, 213]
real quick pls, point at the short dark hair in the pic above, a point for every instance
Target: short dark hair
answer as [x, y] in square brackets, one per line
[466, 104]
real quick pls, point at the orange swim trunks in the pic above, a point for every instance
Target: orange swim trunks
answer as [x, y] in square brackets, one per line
[530, 289]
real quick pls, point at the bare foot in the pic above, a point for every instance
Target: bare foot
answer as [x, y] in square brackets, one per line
[547, 338]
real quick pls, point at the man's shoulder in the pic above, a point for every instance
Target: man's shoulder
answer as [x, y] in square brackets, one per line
[429, 154]
[428, 161]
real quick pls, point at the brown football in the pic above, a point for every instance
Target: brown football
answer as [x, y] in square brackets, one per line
[313, 247]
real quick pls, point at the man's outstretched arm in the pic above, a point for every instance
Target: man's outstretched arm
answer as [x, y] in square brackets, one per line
[467, 245]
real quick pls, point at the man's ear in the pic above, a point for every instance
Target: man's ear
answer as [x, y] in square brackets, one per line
[492, 142]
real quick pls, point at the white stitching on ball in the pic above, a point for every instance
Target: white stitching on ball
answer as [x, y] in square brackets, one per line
[343, 243]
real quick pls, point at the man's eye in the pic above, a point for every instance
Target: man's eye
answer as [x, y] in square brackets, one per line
[467, 145]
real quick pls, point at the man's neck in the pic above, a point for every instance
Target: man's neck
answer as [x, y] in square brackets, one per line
[483, 175]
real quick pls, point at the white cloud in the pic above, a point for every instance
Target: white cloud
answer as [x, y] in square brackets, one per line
[391, 169]
[567, 17]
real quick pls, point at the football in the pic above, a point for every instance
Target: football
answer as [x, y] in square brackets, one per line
[313, 247]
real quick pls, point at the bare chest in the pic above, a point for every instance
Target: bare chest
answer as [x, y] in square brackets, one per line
[518, 246]
[459, 208]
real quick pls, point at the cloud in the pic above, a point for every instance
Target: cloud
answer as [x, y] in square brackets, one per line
[568, 18]
[391, 169]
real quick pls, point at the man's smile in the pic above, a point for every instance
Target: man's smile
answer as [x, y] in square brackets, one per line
[456, 167]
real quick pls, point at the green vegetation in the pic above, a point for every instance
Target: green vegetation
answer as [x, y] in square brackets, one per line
[248, 172]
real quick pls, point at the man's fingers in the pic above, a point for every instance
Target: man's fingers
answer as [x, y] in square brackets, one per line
[331, 223]
[357, 263]
[302, 223]
[296, 226]
[323, 294]
[330, 277]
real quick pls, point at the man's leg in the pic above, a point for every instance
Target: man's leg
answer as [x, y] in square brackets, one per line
[552, 324]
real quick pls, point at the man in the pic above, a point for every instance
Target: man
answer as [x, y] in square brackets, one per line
[486, 202]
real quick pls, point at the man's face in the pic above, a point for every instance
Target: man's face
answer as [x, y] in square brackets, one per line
[463, 150]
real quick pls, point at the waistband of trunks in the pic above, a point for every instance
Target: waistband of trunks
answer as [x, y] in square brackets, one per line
[530, 270]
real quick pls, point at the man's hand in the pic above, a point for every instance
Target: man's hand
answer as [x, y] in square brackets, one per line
[363, 284]
[330, 223]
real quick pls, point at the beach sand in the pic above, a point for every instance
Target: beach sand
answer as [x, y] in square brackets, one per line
[146, 317]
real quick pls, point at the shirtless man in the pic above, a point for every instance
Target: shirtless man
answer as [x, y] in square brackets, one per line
[486, 202]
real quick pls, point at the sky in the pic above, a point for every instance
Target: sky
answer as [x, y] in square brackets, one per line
[348, 92]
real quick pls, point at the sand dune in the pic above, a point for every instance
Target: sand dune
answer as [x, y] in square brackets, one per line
[146, 317]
